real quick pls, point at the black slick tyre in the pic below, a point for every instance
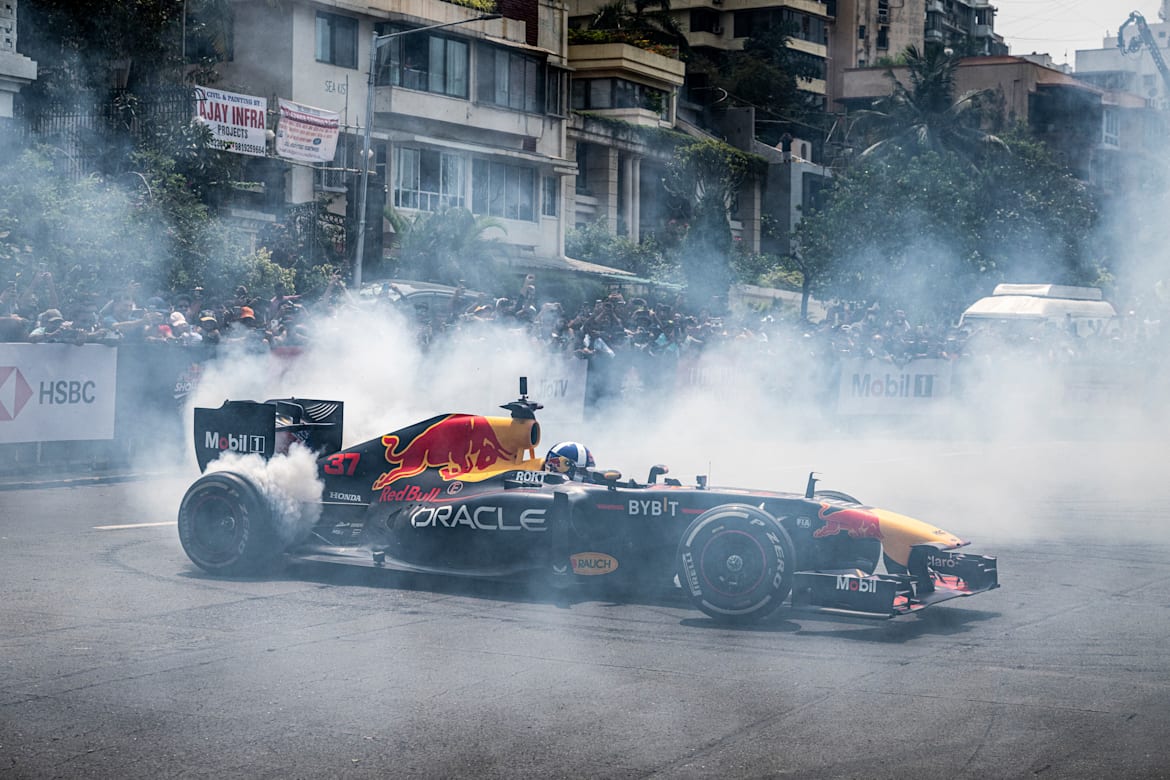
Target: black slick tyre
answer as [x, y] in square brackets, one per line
[736, 563]
[226, 527]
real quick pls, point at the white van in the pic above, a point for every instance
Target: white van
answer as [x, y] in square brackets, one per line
[1083, 308]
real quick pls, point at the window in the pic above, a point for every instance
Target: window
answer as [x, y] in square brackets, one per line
[883, 37]
[509, 80]
[428, 63]
[428, 180]
[705, 20]
[337, 40]
[1111, 128]
[549, 195]
[582, 184]
[794, 23]
[553, 102]
[594, 94]
[503, 190]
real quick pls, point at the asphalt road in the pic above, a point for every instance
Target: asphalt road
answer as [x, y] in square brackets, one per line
[119, 659]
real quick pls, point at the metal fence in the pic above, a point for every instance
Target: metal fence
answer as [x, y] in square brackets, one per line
[88, 131]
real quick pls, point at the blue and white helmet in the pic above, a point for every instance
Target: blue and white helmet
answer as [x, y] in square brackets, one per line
[567, 458]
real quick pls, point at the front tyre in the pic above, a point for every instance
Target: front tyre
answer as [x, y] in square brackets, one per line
[226, 527]
[736, 563]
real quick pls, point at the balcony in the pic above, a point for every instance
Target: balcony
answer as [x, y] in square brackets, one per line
[618, 59]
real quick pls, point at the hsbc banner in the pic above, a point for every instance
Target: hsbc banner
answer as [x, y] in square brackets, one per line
[882, 387]
[57, 392]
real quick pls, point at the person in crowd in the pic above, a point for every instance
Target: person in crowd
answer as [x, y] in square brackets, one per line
[51, 327]
[209, 326]
[182, 331]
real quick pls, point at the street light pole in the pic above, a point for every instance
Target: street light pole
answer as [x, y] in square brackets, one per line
[376, 42]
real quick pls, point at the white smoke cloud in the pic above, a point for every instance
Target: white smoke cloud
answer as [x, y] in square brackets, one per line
[288, 483]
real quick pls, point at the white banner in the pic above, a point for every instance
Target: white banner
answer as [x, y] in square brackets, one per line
[307, 133]
[238, 122]
[57, 392]
[882, 387]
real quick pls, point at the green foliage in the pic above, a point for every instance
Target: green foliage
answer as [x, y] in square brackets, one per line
[486, 6]
[921, 231]
[95, 235]
[579, 36]
[594, 243]
[647, 24]
[706, 175]
[925, 117]
[765, 75]
[446, 246]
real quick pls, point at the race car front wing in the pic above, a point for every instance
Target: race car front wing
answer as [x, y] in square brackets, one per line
[932, 576]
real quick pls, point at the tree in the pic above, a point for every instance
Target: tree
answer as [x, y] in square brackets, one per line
[925, 117]
[596, 243]
[96, 234]
[707, 175]
[920, 231]
[446, 246]
[646, 19]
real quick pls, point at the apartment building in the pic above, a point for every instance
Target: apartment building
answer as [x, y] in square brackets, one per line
[1104, 136]
[470, 115]
[865, 32]
[16, 70]
[956, 23]
[1135, 69]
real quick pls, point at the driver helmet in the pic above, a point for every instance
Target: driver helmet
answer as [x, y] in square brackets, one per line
[568, 458]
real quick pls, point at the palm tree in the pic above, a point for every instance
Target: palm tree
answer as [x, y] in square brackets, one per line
[925, 116]
[446, 246]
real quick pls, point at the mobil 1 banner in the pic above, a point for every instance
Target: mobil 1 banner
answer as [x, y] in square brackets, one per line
[57, 392]
[883, 387]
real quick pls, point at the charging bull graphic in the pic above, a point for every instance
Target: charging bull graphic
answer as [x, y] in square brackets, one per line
[858, 523]
[455, 445]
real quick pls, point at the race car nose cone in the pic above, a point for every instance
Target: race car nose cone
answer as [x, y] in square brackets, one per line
[734, 563]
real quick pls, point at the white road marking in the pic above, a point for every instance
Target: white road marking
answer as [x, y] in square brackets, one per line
[133, 525]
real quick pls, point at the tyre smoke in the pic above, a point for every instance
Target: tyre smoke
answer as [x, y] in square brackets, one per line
[288, 483]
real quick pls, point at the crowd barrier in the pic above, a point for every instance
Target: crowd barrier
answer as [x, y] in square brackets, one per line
[66, 406]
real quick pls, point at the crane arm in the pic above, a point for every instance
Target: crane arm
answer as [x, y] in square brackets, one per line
[1147, 38]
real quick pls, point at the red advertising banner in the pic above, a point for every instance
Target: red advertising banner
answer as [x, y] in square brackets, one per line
[306, 133]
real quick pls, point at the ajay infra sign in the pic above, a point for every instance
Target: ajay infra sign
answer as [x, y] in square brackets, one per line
[238, 122]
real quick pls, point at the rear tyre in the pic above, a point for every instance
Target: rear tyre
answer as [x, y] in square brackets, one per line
[226, 527]
[736, 563]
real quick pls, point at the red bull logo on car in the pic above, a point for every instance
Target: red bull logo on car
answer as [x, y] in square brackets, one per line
[858, 523]
[456, 445]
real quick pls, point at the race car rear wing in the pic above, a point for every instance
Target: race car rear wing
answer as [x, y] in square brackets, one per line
[253, 427]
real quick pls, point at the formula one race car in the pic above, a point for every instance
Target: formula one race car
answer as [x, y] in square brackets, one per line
[462, 494]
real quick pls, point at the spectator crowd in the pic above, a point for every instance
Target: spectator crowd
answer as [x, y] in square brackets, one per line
[614, 333]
